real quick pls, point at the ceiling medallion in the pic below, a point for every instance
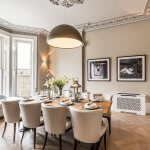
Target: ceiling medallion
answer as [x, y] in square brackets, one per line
[66, 3]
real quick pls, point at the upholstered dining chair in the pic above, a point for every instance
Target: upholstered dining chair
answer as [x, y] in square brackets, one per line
[88, 127]
[2, 96]
[11, 113]
[1, 111]
[30, 113]
[55, 121]
[108, 97]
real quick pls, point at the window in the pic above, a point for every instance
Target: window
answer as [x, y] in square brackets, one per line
[18, 64]
[24, 67]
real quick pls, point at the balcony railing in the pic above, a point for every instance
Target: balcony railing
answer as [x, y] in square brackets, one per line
[24, 82]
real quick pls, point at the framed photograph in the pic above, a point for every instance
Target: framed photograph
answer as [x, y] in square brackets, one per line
[99, 69]
[131, 68]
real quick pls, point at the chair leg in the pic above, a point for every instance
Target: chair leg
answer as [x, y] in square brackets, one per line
[14, 132]
[5, 126]
[75, 144]
[18, 125]
[34, 136]
[46, 134]
[23, 134]
[60, 142]
[98, 144]
[105, 144]
[92, 147]
[109, 121]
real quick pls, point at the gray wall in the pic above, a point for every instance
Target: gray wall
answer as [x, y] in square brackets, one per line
[43, 60]
[132, 39]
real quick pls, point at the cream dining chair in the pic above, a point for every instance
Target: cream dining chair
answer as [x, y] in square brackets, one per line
[30, 113]
[108, 97]
[88, 127]
[1, 111]
[55, 121]
[11, 114]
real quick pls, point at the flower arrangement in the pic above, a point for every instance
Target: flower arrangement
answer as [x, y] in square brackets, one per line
[60, 82]
[49, 83]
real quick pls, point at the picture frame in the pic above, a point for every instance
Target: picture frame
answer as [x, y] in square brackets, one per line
[98, 69]
[131, 68]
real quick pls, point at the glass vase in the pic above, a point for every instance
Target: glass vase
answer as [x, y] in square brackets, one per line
[49, 94]
[60, 91]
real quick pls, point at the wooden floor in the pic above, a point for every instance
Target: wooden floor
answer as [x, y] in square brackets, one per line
[129, 132]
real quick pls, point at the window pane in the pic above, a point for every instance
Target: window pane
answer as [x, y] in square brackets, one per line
[23, 55]
[24, 69]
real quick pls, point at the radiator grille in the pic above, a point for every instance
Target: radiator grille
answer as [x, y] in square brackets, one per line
[129, 103]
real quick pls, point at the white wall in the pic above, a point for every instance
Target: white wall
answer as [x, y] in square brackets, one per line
[67, 62]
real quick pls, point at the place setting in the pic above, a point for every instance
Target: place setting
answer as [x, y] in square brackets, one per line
[66, 102]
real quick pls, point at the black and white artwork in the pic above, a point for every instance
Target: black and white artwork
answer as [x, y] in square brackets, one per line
[131, 68]
[99, 69]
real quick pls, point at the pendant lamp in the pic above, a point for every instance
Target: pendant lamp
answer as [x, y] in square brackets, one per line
[65, 36]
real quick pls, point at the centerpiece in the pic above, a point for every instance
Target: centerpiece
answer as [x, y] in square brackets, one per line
[76, 89]
[60, 82]
[55, 81]
[49, 84]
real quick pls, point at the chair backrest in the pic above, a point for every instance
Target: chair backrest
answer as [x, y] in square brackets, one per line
[11, 111]
[86, 124]
[107, 97]
[30, 113]
[54, 119]
[2, 97]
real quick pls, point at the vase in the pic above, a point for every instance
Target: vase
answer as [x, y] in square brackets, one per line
[48, 94]
[60, 91]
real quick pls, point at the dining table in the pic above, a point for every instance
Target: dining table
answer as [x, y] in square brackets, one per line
[104, 105]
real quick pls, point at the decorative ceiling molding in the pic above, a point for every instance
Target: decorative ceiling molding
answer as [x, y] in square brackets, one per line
[123, 20]
[23, 29]
[128, 19]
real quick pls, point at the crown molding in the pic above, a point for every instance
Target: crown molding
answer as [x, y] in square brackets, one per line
[119, 21]
[23, 29]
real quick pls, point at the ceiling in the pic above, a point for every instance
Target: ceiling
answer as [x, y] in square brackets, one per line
[44, 14]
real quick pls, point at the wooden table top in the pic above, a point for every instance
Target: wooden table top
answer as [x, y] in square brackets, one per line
[104, 105]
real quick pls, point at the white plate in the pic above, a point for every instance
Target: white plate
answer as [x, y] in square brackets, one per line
[90, 106]
[66, 103]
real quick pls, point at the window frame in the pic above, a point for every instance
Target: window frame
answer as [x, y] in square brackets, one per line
[5, 62]
[33, 41]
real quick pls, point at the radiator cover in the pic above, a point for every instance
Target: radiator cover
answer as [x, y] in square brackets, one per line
[133, 104]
